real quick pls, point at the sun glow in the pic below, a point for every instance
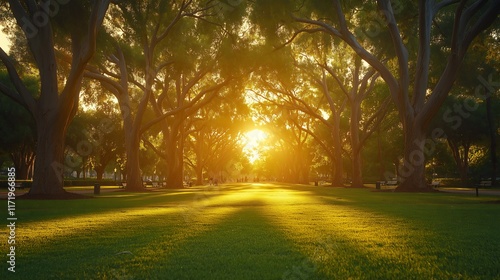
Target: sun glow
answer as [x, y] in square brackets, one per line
[254, 142]
[4, 41]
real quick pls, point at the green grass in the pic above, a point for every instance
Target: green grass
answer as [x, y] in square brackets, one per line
[258, 231]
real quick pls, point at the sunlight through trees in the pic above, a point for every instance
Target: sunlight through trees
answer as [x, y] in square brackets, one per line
[196, 92]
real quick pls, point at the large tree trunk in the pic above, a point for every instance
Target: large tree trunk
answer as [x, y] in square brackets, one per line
[462, 160]
[174, 138]
[132, 145]
[199, 175]
[53, 110]
[174, 176]
[134, 178]
[49, 165]
[469, 21]
[338, 165]
[300, 167]
[198, 167]
[411, 175]
[99, 170]
[174, 165]
[84, 167]
[304, 170]
[493, 141]
[379, 156]
[357, 175]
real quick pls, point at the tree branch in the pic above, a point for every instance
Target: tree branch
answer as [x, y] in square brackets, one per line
[158, 152]
[426, 15]
[374, 121]
[192, 103]
[23, 96]
[444, 3]
[460, 44]
[296, 33]
[86, 51]
[349, 38]
[402, 55]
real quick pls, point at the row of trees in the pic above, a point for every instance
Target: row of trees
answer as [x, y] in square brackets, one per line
[149, 55]
[418, 71]
[323, 71]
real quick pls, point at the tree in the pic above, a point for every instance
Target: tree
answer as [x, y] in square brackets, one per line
[106, 140]
[131, 16]
[17, 139]
[291, 153]
[296, 93]
[55, 107]
[419, 102]
[214, 136]
[357, 83]
[201, 70]
[169, 78]
[463, 128]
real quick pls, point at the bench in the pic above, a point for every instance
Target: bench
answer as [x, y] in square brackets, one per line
[435, 183]
[484, 184]
[378, 184]
[391, 183]
[155, 184]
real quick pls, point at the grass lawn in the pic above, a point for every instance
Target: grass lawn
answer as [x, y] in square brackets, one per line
[258, 231]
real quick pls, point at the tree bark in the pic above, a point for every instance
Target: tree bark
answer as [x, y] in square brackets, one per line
[49, 166]
[461, 159]
[134, 176]
[492, 131]
[357, 175]
[175, 156]
[379, 156]
[99, 172]
[411, 174]
[199, 175]
[338, 165]
[132, 147]
[23, 159]
[53, 110]
[469, 21]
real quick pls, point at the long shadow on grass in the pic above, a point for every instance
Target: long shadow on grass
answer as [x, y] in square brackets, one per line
[267, 233]
[43, 231]
[245, 245]
[45, 210]
[81, 254]
[96, 247]
[431, 235]
[229, 242]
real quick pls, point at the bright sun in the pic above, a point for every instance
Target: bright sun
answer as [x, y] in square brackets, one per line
[254, 141]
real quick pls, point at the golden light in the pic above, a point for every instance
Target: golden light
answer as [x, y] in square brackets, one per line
[4, 41]
[254, 142]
